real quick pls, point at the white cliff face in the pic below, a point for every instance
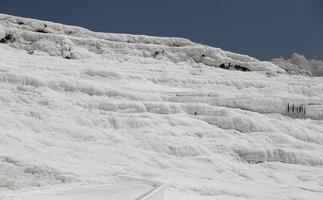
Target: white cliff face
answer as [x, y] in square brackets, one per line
[84, 107]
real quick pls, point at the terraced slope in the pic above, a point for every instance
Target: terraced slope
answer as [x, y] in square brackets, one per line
[84, 107]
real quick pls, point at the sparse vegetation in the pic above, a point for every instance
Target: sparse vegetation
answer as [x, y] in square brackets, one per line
[41, 31]
[241, 68]
[8, 38]
[236, 67]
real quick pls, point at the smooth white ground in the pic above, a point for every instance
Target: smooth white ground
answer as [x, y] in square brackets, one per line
[118, 190]
[117, 110]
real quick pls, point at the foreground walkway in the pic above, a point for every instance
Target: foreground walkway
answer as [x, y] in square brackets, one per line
[118, 190]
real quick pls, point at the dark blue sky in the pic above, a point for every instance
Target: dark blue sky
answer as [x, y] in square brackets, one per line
[260, 28]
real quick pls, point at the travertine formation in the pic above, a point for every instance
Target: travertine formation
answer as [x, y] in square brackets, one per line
[83, 107]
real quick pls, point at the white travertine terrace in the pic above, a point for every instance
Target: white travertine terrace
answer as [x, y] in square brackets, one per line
[82, 107]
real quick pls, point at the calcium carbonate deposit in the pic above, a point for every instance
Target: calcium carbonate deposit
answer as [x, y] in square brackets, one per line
[92, 109]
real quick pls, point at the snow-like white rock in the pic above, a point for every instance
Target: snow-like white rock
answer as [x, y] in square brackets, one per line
[84, 107]
[78, 43]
